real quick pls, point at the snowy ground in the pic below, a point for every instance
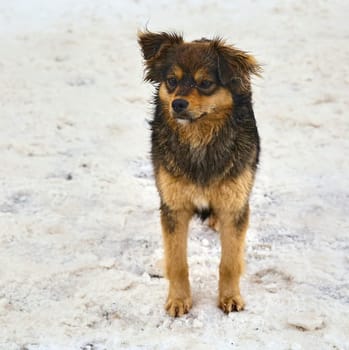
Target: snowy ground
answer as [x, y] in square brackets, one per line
[80, 242]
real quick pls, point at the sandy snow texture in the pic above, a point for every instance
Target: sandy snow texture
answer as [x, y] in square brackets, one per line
[80, 243]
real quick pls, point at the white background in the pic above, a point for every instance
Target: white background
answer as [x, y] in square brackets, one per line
[80, 239]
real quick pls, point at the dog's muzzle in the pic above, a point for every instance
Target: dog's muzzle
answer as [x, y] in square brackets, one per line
[181, 113]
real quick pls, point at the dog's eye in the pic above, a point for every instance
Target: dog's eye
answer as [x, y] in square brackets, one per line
[172, 82]
[205, 84]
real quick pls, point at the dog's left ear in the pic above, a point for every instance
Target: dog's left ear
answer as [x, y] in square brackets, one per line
[235, 66]
[155, 47]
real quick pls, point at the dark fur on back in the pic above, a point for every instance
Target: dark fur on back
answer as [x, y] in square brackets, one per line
[234, 147]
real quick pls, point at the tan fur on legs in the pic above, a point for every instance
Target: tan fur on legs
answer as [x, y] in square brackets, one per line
[175, 231]
[229, 202]
[233, 234]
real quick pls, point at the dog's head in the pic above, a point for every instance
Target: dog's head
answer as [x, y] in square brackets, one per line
[196, 79]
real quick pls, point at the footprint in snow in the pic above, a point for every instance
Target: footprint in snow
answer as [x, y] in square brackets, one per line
[272, 279]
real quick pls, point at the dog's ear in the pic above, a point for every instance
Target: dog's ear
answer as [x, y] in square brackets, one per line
[154, 47]
[235, 66]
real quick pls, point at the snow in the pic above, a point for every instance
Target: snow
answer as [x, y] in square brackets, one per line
[80, 241]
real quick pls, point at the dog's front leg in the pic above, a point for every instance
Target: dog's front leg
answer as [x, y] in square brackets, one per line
[232, 231]
[175, 231]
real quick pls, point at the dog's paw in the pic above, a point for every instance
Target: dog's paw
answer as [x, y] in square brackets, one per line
[231, 303]
[178, 307]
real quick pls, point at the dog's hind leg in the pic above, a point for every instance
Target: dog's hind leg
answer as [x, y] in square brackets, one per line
[232, 231]
[175, 231]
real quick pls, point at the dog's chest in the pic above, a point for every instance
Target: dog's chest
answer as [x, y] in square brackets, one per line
[180, 193]
[200, 201]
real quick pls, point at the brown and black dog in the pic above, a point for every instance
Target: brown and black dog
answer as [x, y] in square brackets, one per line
[205, 149]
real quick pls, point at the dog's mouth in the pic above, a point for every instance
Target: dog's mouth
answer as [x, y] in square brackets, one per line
[189, 118]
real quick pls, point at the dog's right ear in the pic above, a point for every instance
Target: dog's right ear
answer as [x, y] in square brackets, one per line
[154, 47]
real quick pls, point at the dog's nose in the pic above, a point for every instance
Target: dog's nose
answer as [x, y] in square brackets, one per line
[179, 105]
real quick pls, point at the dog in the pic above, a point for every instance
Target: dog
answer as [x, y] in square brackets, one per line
[204, 149]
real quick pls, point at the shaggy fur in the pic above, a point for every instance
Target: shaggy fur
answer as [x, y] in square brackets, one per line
[205, 149]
